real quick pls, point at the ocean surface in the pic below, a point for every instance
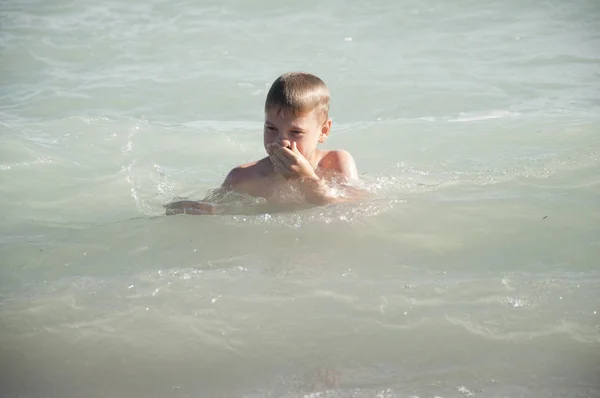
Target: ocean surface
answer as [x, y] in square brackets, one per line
[472, 270]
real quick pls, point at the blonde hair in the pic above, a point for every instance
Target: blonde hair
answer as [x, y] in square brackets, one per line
[298, 93]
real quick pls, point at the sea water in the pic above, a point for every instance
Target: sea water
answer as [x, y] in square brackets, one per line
[471, 271]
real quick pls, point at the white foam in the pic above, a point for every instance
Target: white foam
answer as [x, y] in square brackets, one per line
[465, 117]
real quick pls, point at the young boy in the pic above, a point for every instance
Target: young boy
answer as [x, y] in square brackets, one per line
[295, 170]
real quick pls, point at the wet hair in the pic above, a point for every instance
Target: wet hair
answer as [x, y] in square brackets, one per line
[298, 93]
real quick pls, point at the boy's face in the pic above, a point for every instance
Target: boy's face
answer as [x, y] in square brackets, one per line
[307, 130]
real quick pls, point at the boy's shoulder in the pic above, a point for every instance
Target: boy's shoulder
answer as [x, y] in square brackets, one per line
[247, 172]
[335, 155]
[340, 161]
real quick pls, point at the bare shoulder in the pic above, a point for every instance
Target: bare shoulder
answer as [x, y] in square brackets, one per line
[246, 172]
[340, 161]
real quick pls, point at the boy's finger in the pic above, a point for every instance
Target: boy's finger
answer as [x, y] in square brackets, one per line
[274, 159]
[288, 153]
[276, 166]
[277, 163]
[281, 169]
[278, 147]
[286, 159]
[275, 146]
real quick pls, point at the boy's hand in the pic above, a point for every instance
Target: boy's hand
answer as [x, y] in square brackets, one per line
[290, 163]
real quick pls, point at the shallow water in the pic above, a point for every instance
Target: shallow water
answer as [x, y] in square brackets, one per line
[473, 271]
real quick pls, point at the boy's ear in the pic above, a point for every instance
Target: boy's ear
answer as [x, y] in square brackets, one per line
[325, 129]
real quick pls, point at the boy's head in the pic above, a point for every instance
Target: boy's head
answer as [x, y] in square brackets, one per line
[297, 110]
[298, 93]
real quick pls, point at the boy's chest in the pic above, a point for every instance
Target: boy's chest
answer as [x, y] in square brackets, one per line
[276, 188]
[272, 188]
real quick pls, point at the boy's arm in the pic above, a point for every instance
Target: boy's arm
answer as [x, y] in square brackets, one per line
[319, 191]
[190, 207]
[204, 207]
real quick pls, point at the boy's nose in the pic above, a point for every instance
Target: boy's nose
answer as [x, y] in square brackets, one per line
[284, 142]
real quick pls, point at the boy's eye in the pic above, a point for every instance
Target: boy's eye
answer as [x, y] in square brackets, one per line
[296, 132]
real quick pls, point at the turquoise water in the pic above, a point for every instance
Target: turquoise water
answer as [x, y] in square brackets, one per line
[473, 271]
